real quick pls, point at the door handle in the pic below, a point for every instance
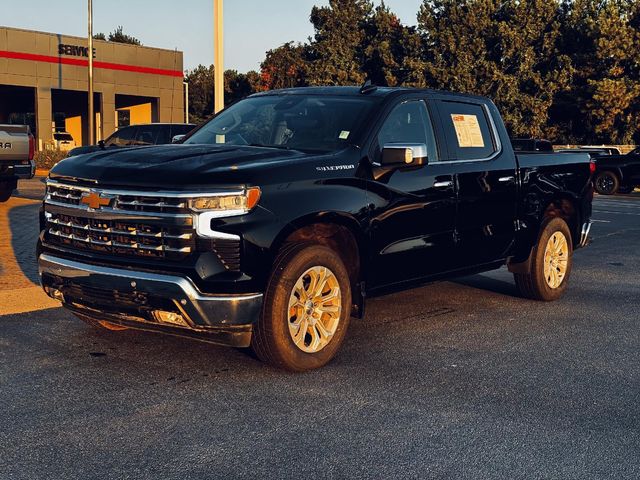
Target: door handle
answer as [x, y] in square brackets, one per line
[445, 184]
[506, 179]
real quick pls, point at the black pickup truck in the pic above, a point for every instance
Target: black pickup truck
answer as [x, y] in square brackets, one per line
[617, 173]
[270, 225]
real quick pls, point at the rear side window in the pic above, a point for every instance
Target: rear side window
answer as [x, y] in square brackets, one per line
[467, 129]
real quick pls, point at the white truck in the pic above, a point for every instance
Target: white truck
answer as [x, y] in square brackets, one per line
[17, 147]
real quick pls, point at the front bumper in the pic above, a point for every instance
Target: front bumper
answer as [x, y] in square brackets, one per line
[134, 299]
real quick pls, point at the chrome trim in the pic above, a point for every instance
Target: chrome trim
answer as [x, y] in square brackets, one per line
[200, 309]
[134, 233]
[139, 193]
[113, 243]
[116, 211]
[448, 183]
[510, 178]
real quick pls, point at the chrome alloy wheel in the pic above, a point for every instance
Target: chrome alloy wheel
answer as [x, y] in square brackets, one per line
[315, 305]
[556, 259]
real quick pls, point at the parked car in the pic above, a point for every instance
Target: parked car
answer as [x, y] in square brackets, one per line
[270, 225]
[617, 173]
[531, 145]
[63, 141]
[17, 148]
[138, 135]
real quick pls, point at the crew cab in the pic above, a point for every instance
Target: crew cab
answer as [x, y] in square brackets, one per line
[617, 173]
[272, 223]
[17, 148]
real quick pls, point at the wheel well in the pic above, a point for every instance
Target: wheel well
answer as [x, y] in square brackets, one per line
[565, 209]
[338, 238]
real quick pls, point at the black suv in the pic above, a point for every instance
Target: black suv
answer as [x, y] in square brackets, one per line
[138, 135]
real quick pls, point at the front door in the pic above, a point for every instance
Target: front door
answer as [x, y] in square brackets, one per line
[413, 209]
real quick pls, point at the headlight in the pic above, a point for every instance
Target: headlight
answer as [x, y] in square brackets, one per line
[228, 205]
[220, 206]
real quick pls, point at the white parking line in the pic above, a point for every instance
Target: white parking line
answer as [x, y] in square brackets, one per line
[600, 221]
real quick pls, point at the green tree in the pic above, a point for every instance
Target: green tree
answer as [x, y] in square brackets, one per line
[118, 36]
[285, 67]
[336, 53]
[392, 51]
[507, 50]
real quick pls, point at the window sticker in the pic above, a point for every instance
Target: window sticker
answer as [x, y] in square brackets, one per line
[344, 134]
[468, 131]
[221, 139]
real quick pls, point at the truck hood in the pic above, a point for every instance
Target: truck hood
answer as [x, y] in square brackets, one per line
[184, 166]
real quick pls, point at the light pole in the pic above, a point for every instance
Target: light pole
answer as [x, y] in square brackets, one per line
[92, 130]
[186, 101]
[218, 57]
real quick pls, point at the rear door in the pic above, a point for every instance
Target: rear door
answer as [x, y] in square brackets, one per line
[413, 210]
[484, 170]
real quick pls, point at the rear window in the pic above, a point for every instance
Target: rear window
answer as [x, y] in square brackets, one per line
[66, 137]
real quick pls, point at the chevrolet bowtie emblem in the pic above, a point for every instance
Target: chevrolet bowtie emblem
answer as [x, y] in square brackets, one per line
[94, 200]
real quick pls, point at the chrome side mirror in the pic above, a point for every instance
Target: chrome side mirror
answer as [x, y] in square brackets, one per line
[177, 138]
[398, 155]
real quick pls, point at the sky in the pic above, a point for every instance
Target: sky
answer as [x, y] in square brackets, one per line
[251, 26]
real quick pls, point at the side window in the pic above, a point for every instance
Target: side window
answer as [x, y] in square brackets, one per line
[164, 135]
[467, 129]
[408, 122]
[122, 137]
[147, 135]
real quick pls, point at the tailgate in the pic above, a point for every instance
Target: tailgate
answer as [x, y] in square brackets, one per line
[14, 143]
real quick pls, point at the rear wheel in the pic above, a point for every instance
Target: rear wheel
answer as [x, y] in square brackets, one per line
[6, 189]
[306, 309]
[607, 183]
[100, 324]
[550, 265]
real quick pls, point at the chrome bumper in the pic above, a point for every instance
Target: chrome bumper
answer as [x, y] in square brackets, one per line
[22, 171]
[133, 299]
[584, 234]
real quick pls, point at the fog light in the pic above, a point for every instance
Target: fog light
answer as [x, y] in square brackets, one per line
[170, 318]
[54, 293]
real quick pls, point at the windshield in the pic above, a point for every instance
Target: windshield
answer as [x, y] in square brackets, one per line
[299, 122]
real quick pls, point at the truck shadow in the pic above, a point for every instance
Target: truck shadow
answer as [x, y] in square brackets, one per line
[484, 282]
[23, 230]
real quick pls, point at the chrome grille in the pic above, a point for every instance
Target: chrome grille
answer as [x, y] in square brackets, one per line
[132, 223]
[119, 236]
[140, 202]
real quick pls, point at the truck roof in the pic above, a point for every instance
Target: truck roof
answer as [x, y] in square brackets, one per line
[352, 91]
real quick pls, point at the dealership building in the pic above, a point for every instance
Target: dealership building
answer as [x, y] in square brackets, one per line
[43, 83]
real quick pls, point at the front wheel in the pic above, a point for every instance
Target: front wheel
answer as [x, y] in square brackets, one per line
[607, 183]
[550, 265]
[306, 309]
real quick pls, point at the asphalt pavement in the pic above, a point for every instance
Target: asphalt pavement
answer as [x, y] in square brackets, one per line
[456, 379]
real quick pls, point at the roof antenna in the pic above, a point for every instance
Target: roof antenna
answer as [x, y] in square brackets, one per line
[368, 87]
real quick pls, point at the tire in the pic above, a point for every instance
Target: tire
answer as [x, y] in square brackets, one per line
[288, 334]
[607, 183]
[5, 192]
[100, 324]
[540, 283]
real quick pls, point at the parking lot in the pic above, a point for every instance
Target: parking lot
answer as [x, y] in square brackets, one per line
[452, 380]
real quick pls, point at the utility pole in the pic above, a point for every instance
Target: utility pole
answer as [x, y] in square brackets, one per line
[186, 101]
[92, 129]
[218, 56]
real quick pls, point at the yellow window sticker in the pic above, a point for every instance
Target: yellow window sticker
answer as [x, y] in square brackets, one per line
[344, 134]
[468, 131]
